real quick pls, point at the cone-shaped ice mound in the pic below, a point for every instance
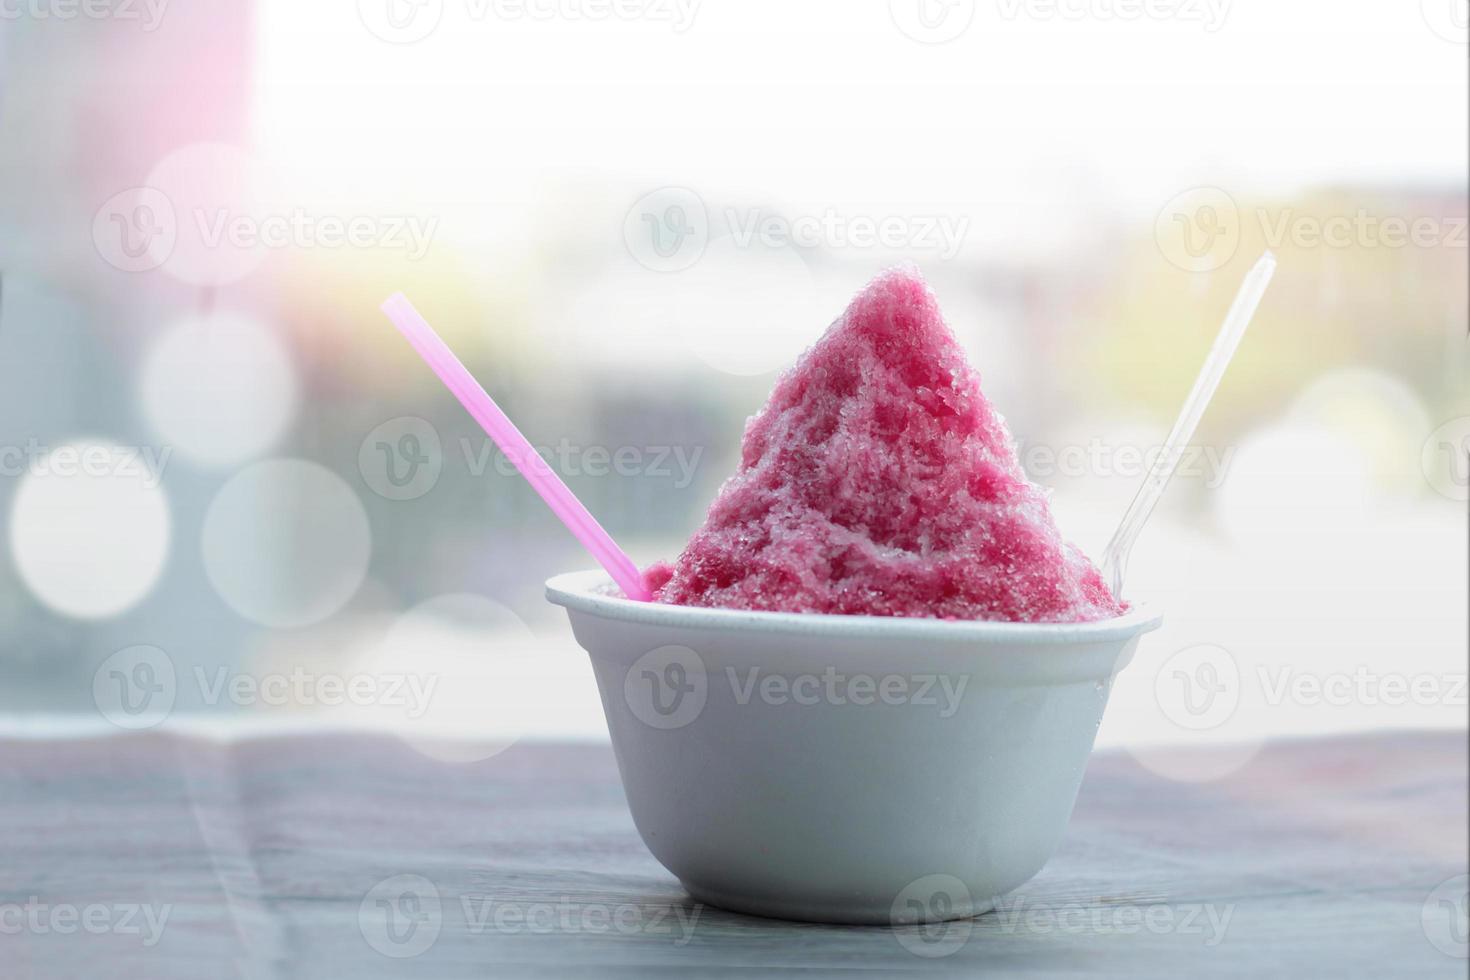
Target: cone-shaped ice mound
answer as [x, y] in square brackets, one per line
[878, 480]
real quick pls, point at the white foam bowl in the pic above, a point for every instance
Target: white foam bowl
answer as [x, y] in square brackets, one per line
[857, 769]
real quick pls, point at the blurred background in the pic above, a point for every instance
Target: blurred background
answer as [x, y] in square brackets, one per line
[233, 499]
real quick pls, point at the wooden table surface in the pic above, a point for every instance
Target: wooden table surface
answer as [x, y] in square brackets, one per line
[356, 856]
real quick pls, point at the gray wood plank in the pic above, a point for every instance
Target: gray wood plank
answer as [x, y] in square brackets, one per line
[267, 857]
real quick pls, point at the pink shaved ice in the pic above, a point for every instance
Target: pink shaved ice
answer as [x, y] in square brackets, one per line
[879, 481]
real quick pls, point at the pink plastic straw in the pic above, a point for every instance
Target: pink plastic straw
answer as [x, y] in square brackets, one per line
[500, 428]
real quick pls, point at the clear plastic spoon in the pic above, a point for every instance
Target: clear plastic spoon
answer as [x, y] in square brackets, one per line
[1115, 557]
[518, 450]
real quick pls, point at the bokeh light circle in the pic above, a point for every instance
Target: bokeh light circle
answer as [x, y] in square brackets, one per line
[224, 214]
[286, 543]
[1199, 720]
[220, 388]
[90, 528]
[1376, 411]
[747, 309]
[1294, 480]
[1185, 760]
[472, 667]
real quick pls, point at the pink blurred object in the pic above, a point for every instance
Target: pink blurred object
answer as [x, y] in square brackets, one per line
[515, 446]
[878, 480]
